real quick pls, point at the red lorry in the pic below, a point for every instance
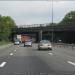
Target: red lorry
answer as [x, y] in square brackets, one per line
[24, 38]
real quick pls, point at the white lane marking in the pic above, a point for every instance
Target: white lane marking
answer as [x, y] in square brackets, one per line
[11, 54]
[50, 53]
[3, 64]
[72, 63]
[15, 50]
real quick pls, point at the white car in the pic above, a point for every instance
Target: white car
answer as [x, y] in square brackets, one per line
[28, 43]
[16, 43]
[44, 44]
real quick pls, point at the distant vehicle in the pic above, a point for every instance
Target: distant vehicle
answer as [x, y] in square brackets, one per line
[16, 42]
[24, 38]
[44, 44]
[28, 43]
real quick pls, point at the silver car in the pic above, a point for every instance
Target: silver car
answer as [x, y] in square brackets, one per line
[16, 43]
[44, 44]
[28, 43]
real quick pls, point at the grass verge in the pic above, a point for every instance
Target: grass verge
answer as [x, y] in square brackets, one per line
[4, 43]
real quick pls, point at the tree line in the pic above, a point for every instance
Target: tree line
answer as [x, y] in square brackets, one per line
[6, 25]
[69, 19]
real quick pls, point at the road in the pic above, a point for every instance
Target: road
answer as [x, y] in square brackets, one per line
[20, 60]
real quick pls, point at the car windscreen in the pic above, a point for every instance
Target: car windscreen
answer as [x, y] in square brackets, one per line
[44, 41]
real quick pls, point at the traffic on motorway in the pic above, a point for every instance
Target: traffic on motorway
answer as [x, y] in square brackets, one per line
[37, 37]
[43, 44]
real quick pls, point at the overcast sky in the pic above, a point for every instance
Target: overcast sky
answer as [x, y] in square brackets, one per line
[35, 12]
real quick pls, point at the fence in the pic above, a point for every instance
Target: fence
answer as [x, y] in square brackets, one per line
[34, 25]
[64, 45]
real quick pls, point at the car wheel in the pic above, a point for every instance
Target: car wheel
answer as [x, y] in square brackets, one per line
[50, 49]
[31, 45]
[24, 45]
[38, 48]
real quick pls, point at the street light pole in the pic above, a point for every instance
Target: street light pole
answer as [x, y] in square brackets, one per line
[40, 32]
[52, 21]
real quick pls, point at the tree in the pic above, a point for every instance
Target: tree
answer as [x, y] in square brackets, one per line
[6, 25]
[69, 19]
[1, 27]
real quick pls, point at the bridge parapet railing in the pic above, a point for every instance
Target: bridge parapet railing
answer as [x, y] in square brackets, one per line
[32, 26]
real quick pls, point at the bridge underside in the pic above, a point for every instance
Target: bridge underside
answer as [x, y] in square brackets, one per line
[65, 36]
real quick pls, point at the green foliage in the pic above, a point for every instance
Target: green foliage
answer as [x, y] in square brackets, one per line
[69, 19]
[6, 25]
[4, 42]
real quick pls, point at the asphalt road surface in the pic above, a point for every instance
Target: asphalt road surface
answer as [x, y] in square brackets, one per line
[20, 60]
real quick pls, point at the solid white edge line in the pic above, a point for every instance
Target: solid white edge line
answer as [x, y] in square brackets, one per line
[72, 63]
[3, 64]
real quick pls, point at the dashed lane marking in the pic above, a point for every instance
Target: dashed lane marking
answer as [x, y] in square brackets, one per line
[72, 63]
[11, 54]
[50, 53]
[3, 64]
[15, 50]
